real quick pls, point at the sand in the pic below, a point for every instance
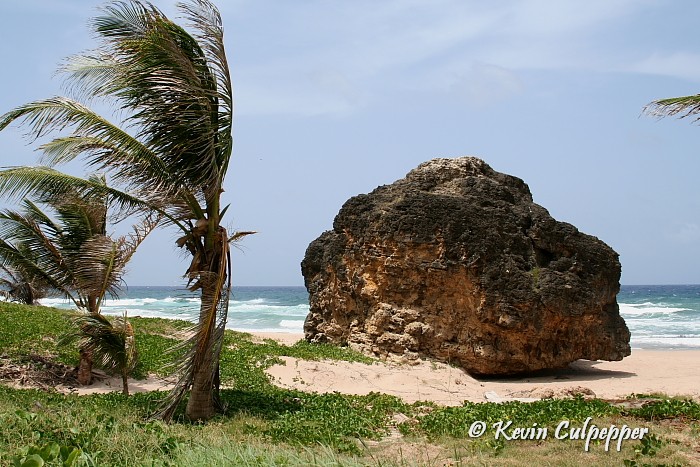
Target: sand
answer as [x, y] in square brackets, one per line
[672, 372]
[286, 338]
[111, 384]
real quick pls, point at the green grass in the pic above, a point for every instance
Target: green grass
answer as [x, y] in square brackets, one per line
[456, 421]
[243, 362]
[25, 330]
[267, 425]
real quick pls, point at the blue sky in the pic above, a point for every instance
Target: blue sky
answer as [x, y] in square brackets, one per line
[334, 98]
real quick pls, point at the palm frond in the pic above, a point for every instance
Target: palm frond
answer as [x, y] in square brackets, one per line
[681, 107]
[101, 261]
[56, 114]
[172, 86]
[206, 20]
[25, 245]
[28, 270]
[104, 145]
[111, 343]
[140, 231]
[125, 19]
[47, 183]
[38, 216]
[90, 75]
[21, 285]
[237, 236]
[98, 269]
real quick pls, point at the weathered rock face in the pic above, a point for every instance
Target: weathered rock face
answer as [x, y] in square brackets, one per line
[456, 262]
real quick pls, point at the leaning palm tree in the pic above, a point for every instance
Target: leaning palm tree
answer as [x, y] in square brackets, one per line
[169, 155]
[66, 248]
[682, 107]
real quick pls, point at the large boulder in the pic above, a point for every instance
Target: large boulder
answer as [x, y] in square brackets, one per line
[456, 262]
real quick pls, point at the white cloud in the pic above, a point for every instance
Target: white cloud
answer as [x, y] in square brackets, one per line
[553, 19]
[335, 55]
[318, 57]
[684, 65]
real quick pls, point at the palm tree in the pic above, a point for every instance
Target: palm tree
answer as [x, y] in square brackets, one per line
[170, 154]
[18, 284]
[70, 252]
[110, 344]
[686, 106]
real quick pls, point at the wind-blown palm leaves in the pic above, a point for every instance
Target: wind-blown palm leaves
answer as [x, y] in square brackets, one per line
[67, 250]
[169, 156]
[19, 285]
[111, 344]
[19, 279]
[682, 107]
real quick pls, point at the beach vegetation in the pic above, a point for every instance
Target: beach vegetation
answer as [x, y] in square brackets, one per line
[110, 343]
[62, 244]
[19, 284]
[667, 408]
[167, 157]
[263, 424]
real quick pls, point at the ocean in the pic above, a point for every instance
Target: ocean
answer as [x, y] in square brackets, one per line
[251, 309]
[658, 316]
[662, 316]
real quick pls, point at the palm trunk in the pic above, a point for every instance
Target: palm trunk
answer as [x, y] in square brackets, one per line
[204, 399]
[86, 358]
[85, 368]
[125, 381]
[202, 404]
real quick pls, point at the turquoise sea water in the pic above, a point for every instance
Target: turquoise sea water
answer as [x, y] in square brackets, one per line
[658, 316]
[662, 316]
[261, 309]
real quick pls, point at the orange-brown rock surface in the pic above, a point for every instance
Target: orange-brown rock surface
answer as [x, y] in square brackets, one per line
[456, 262]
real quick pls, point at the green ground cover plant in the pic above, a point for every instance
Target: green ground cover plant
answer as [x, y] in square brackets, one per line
[267, 425]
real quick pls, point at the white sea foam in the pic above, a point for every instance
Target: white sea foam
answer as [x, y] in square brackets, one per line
[257, 314]
[634, 309]
[292, 324]
[640, 305]
[665, 341]
[55, 301]
[299, 310]
[181, 300]
[667, 329]
[280, 330]
[129, 302]
[140, 312]
[254, 301]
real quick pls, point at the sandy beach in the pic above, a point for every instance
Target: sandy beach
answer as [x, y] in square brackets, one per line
[672, 372]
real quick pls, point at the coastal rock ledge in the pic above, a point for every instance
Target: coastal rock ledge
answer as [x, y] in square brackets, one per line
[457, 263]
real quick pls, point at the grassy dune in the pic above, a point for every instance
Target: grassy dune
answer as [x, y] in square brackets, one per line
[266, 425]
